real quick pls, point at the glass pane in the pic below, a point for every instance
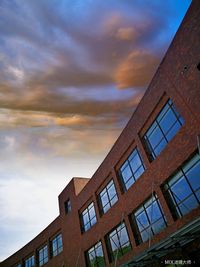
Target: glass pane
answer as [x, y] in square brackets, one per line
[93, 221]
[114, 242]
[135, 163]
[123, 236]
[151, 129]
[167, 121]
[193, 176]
[142, 221]
[153, 212]
[92, 255]
[158, 226]
[129, 183]
[45, 252]
[126, 173]
[99, 251]
[173, 131]
[114, 200]
[59, 241]
[106, 208]
[155, 137]
[160, 147]
[139, 172]
[92, 212]
[146, 234]
[197, 193]
[85, 218]
[181, 190]
[112, 191]
[103, 192]
[104, 200]
[188, 205]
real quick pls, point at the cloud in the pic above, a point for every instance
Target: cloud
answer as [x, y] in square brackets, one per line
[136, 70]
[126, 34]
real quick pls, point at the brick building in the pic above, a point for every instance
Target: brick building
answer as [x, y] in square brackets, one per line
[141, 207]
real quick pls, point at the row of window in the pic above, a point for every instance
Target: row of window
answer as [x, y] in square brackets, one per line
[161, 131]
[182, 193]
[43, 255]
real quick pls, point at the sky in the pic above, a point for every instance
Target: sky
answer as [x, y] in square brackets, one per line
[72, 73]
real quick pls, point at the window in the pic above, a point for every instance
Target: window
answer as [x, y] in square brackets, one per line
[88, 217]
[162, 130]
[148, 220]
[30, 262]
[131, 169]
[95, 257]
[57, 246]
[118, 242]
[182, 191]
[107, 197]
[43, 255]
[68, 206]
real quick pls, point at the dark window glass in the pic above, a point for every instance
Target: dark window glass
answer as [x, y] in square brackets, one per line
[108, 197]
[148, 220]
[162, 130]
[68, 206]
[43, 255]
[95, 256]
[30, 262]
[88, 217]
[182, 191]
[57, 245]
[131, 170]
[18, 265]
[118, 242]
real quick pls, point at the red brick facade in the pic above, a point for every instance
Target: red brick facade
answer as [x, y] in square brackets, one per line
[177, 78]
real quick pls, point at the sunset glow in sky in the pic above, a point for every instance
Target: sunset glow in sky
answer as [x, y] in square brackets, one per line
[71, 74]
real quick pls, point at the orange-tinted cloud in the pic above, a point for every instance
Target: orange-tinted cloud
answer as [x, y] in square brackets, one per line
[136, 70]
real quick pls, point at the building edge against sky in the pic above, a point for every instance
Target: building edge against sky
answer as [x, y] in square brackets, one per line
[141, 207]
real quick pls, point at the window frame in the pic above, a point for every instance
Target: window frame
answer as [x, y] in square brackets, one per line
[43, 253]
[32, 258]
[68, 206]
[120, 252]
[58, 249]
[87, 258]
[87, 211]
[171, 196]
[127, 164]
[148, 203]
[150, 150]
[109, 203]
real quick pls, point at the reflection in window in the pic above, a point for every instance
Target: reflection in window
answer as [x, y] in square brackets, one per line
[43, 255]
[162, 130]
[131, 169]
[57, 245]
[95, 256]
[88, 217]
[118, 242]
[148, 220]
[182, 191]
[108, 197]
[30, 262]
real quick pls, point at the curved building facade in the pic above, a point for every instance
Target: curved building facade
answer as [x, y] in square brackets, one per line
[141, 207]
